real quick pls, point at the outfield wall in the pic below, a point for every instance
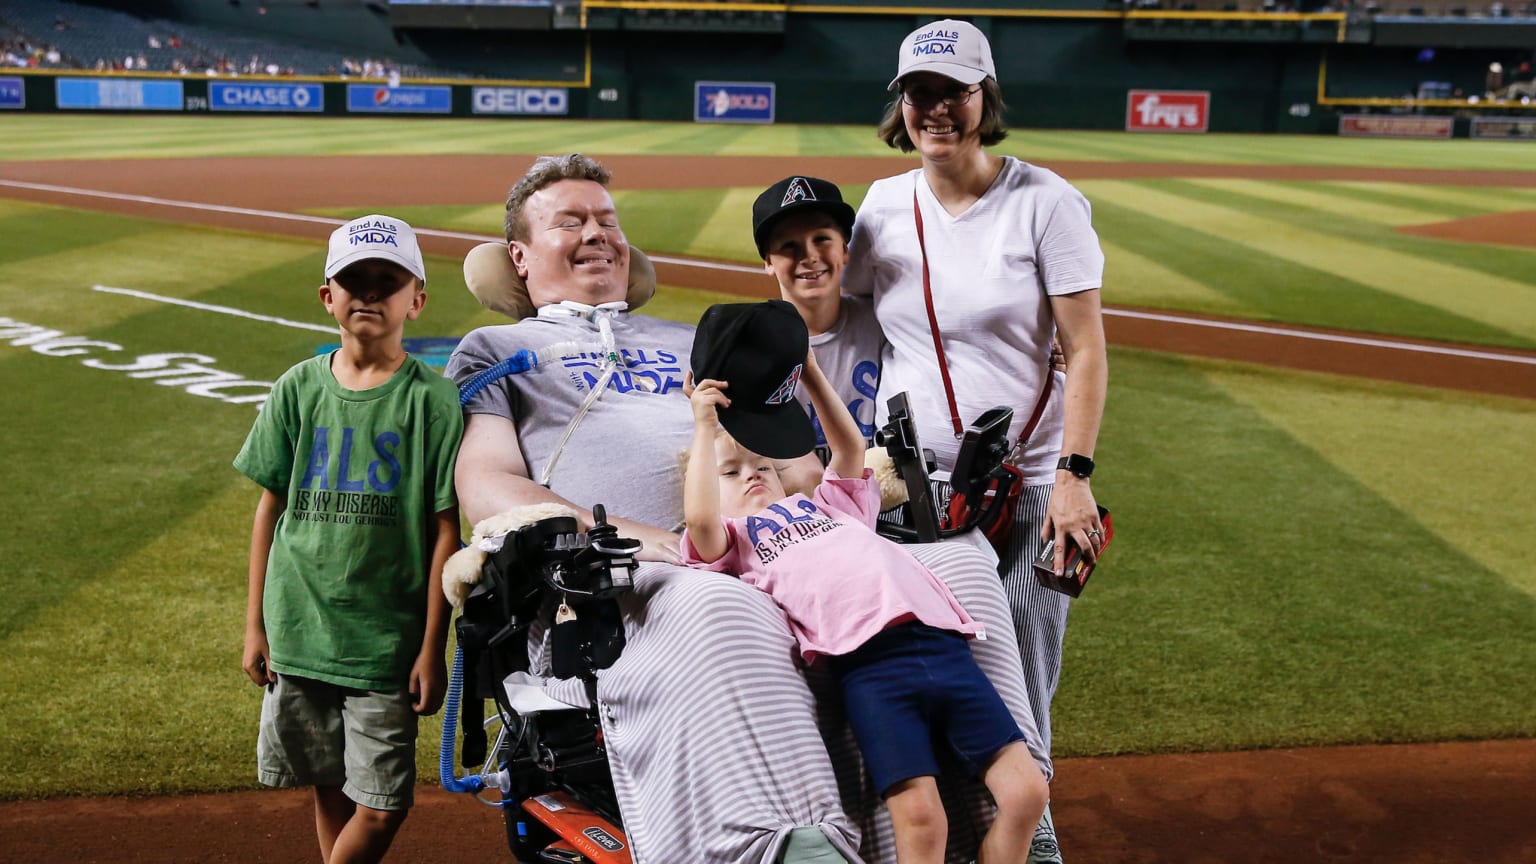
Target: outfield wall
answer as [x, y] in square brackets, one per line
[1075, 72]
[1055, 73]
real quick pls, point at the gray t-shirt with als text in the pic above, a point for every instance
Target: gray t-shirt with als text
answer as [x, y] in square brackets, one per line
[624, 452]
[849, 355]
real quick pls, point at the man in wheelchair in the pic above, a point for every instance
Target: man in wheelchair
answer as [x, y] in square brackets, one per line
[718, 746]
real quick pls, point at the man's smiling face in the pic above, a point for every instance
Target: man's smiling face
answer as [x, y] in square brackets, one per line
[575, 249]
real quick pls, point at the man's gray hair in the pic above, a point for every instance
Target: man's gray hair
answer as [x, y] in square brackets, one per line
[547, 171]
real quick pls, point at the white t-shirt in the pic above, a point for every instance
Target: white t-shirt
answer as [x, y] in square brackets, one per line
[991, 268]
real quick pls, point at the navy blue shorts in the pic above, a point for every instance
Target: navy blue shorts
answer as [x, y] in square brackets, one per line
[914, 688]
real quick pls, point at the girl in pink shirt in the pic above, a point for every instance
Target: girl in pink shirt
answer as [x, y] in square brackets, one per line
[893, 633]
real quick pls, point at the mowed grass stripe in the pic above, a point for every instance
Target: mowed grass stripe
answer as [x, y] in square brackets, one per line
[69, 136]
[1448, 202]
[727, 231]
[1133, 279]
[266, 275]
[1508, 264]
[1271, 286]
[162, 659]
[1325, 601]
[668, 221]
[845, 140]
[1476, 199]
[1045, 148]
[1389, 420]
[34, 232]
[1502, 304]
[1318, 197]
[109, 461]
[639, 138]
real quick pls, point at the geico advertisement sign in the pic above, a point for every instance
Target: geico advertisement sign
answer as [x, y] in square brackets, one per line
[520, 100]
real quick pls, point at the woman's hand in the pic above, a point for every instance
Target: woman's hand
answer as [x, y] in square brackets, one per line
[1072, 515]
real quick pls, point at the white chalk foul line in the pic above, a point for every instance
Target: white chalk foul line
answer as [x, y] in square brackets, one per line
[1324, 337]
[209, 307]
[321, 220]
[220, 208]
[738, 268]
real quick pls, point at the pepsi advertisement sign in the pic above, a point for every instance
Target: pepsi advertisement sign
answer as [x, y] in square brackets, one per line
[227, 96]
[379, 99]
[12, 93]
[732, 102]
[118, 94]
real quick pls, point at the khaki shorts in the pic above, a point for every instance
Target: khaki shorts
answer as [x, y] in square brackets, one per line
[318, 734]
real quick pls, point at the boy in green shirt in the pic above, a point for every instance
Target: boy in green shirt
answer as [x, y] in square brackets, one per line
[346, 623]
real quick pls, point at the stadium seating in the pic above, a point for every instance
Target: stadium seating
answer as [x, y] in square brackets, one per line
[92, 37]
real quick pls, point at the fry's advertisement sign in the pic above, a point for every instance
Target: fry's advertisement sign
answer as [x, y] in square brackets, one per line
[1167, 110]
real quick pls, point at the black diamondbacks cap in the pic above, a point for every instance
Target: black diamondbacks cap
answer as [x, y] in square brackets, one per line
[759, 350]
[797, 194]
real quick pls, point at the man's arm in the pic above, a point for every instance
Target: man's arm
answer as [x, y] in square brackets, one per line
[257, 655]
[843, 436]
[492, 477]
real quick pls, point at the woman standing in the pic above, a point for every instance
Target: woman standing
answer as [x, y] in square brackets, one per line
[975, 261]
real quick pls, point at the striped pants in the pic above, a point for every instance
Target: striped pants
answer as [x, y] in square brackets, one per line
[1039, 614]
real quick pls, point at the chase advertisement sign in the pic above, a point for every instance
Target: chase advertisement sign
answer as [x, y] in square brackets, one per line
[12, 93]
[379, 99]
[227, 96]
[732, 102]
[520, 100]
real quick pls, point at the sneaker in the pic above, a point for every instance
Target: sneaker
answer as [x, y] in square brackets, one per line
[1043, 848]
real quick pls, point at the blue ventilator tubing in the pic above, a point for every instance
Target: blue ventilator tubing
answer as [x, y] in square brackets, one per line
[473, 782]
[522, 361]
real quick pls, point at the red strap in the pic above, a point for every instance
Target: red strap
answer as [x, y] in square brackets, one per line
[938, 345]
[933, 321]
[1034, 419]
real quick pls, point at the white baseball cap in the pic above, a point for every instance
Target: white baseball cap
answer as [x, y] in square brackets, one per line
[954, 49]
[382, 237]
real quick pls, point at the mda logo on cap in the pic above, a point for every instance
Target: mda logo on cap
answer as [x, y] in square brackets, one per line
[954, 49]
[375, 236]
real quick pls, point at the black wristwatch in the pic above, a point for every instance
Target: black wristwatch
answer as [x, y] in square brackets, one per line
[1078, 464]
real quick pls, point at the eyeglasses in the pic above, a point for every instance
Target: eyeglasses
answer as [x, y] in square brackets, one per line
[926, 98]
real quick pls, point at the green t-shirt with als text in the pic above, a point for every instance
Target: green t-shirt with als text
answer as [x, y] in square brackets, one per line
[363, 473]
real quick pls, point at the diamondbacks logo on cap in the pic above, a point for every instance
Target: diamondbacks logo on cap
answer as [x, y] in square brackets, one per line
[798, 190]
[786, 391]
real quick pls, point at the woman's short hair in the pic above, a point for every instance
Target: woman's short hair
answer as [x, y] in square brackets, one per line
[547, 171]
[893, 128]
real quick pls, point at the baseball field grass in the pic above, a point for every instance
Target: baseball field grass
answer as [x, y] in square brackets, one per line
[1300, 559]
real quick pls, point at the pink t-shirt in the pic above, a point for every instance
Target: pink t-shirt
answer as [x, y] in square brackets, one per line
[822, 562]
